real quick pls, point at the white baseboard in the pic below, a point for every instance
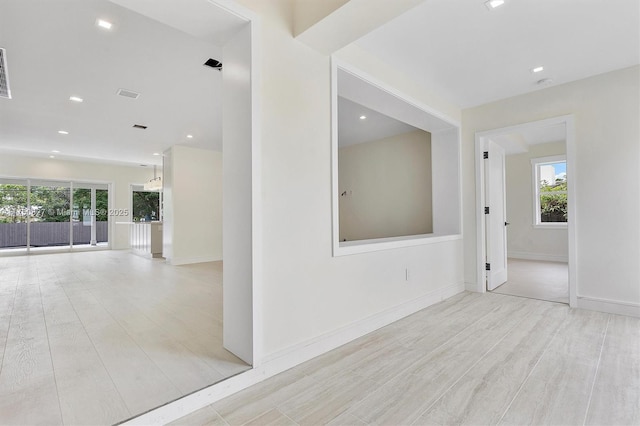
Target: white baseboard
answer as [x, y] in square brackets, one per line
[317, 346]
[537, 256]
[280, 361]
[609, 306]
[188, 404]
[189, 260]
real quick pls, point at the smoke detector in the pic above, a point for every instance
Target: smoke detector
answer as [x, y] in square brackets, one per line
[5, 91]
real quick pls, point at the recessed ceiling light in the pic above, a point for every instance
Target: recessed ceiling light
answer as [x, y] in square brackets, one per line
[63, 132]
[190, 136]
[104, 24]
[363, 117]
[492, 4]
[156, 153]
[52, 156]
[537, 69]
[75, 99]
[55, 151]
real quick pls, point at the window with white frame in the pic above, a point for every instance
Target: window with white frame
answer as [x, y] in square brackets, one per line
[550, 191]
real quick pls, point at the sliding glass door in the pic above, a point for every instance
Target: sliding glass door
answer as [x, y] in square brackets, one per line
[51, 214]
[14, 214]
[90, 214]
[43, 214]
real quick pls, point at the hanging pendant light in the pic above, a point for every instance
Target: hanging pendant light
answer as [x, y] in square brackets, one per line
[154, 184]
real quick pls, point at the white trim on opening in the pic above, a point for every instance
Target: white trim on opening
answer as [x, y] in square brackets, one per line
[568, 120]
[447, 212]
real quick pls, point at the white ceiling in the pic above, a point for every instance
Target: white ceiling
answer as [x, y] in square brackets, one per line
[352, 130]
[55, 50]
[199, 18]
[470, 55]
[457, 49]
[519, 142]
[388, 115]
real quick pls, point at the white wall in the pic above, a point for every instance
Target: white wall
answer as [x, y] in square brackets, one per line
[238, 123]
[308, 12]
[192, 205]
[388, 187]
[121, 178]
[168, 217]
[382, 70]
[607, 177]
[524, 241]
[445, 180]
[307, 293]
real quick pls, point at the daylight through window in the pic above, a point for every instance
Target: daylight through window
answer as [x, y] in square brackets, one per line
[550, 180]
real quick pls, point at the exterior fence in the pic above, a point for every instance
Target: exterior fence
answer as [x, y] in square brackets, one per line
[44, 234]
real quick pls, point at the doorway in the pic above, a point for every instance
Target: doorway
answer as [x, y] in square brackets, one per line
[526, 234]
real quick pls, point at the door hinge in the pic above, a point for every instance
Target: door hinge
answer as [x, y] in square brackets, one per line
[485, 155]
[487, 266]
[486, 210]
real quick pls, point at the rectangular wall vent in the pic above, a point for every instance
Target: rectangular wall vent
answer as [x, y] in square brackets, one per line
[128, 93]
[5, 91]
[139, 126]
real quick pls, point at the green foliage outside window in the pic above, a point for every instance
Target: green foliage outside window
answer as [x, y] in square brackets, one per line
[13, 202]
[82, 204]
[553, 201]
[146, 206]
[49, 204]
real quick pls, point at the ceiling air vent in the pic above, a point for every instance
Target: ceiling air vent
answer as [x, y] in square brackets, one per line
[139, 126]
[5, 92]
[128, 94]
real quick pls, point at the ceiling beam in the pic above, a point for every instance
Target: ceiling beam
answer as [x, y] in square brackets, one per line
[330, 25]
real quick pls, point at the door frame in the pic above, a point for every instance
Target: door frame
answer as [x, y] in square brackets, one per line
[568, 121]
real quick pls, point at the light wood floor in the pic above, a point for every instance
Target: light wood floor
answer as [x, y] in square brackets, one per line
[537, 280]
[472, 359]
[98, 337]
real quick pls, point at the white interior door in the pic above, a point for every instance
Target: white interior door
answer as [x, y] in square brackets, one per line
[496, 224]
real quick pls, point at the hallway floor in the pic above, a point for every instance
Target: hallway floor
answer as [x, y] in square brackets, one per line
[537, 280]
[473, 359]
